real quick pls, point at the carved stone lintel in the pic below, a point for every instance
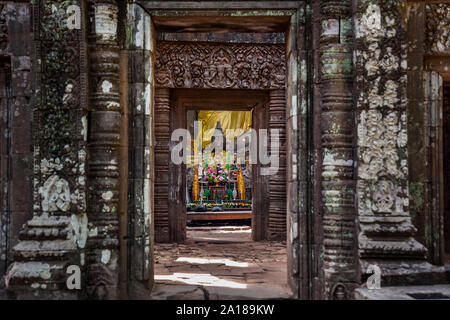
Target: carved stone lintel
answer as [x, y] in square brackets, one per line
[206, 65]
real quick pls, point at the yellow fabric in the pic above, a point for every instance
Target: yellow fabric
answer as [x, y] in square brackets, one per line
[195, 187]
[241, 185]
[229, 120]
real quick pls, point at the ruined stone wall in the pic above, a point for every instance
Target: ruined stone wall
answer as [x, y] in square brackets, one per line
[77, 147]
[56, 235]
[386, 237]
[437, 28]
[436, 65]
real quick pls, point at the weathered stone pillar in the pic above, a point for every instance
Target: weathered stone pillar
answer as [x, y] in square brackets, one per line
[386, 232]
[292, 184]
[140, 45]
[337, 130]
[432, 138]
[103, 147]
[55, 237]
[298, 108]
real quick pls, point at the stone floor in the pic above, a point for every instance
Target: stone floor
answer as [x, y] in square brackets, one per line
[220, 263]
[435, 292]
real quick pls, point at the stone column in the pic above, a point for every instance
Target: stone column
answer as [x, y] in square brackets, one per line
[140, 46]
[386, 232]
[337, 131]
[294, 245]
[103, 147]
[298, 156]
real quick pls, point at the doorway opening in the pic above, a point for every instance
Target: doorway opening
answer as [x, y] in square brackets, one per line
[219, 174]
[224, 212]
[230, 180]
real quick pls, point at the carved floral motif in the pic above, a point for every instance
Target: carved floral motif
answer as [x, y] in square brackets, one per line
[3, 29]
[382, 134]
[56, 194]
[205, 65]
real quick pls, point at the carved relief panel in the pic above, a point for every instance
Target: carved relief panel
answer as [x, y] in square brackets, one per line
[206, 65]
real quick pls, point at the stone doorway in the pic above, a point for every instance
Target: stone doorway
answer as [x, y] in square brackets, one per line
[186, 61]
[180, 53]
[221, 262]
[219, 86]
[268, 220]
[184, 101]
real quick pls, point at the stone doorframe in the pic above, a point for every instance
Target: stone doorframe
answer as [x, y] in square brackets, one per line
[269, 208]
[261, 103]
[297, 117]
[347, 204]
[428, 68]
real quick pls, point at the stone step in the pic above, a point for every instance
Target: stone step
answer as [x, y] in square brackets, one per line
[46, 221]
[431, 292]
[44, 250]
[45, 227]
[37, 275]
[47, 233]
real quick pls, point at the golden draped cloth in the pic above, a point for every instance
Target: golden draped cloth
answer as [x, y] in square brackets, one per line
[241, 184]
[195, 187]
[233, 124]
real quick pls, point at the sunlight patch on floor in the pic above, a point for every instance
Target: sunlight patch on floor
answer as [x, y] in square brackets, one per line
[231, 231]
[227, 262]
[204, 279]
